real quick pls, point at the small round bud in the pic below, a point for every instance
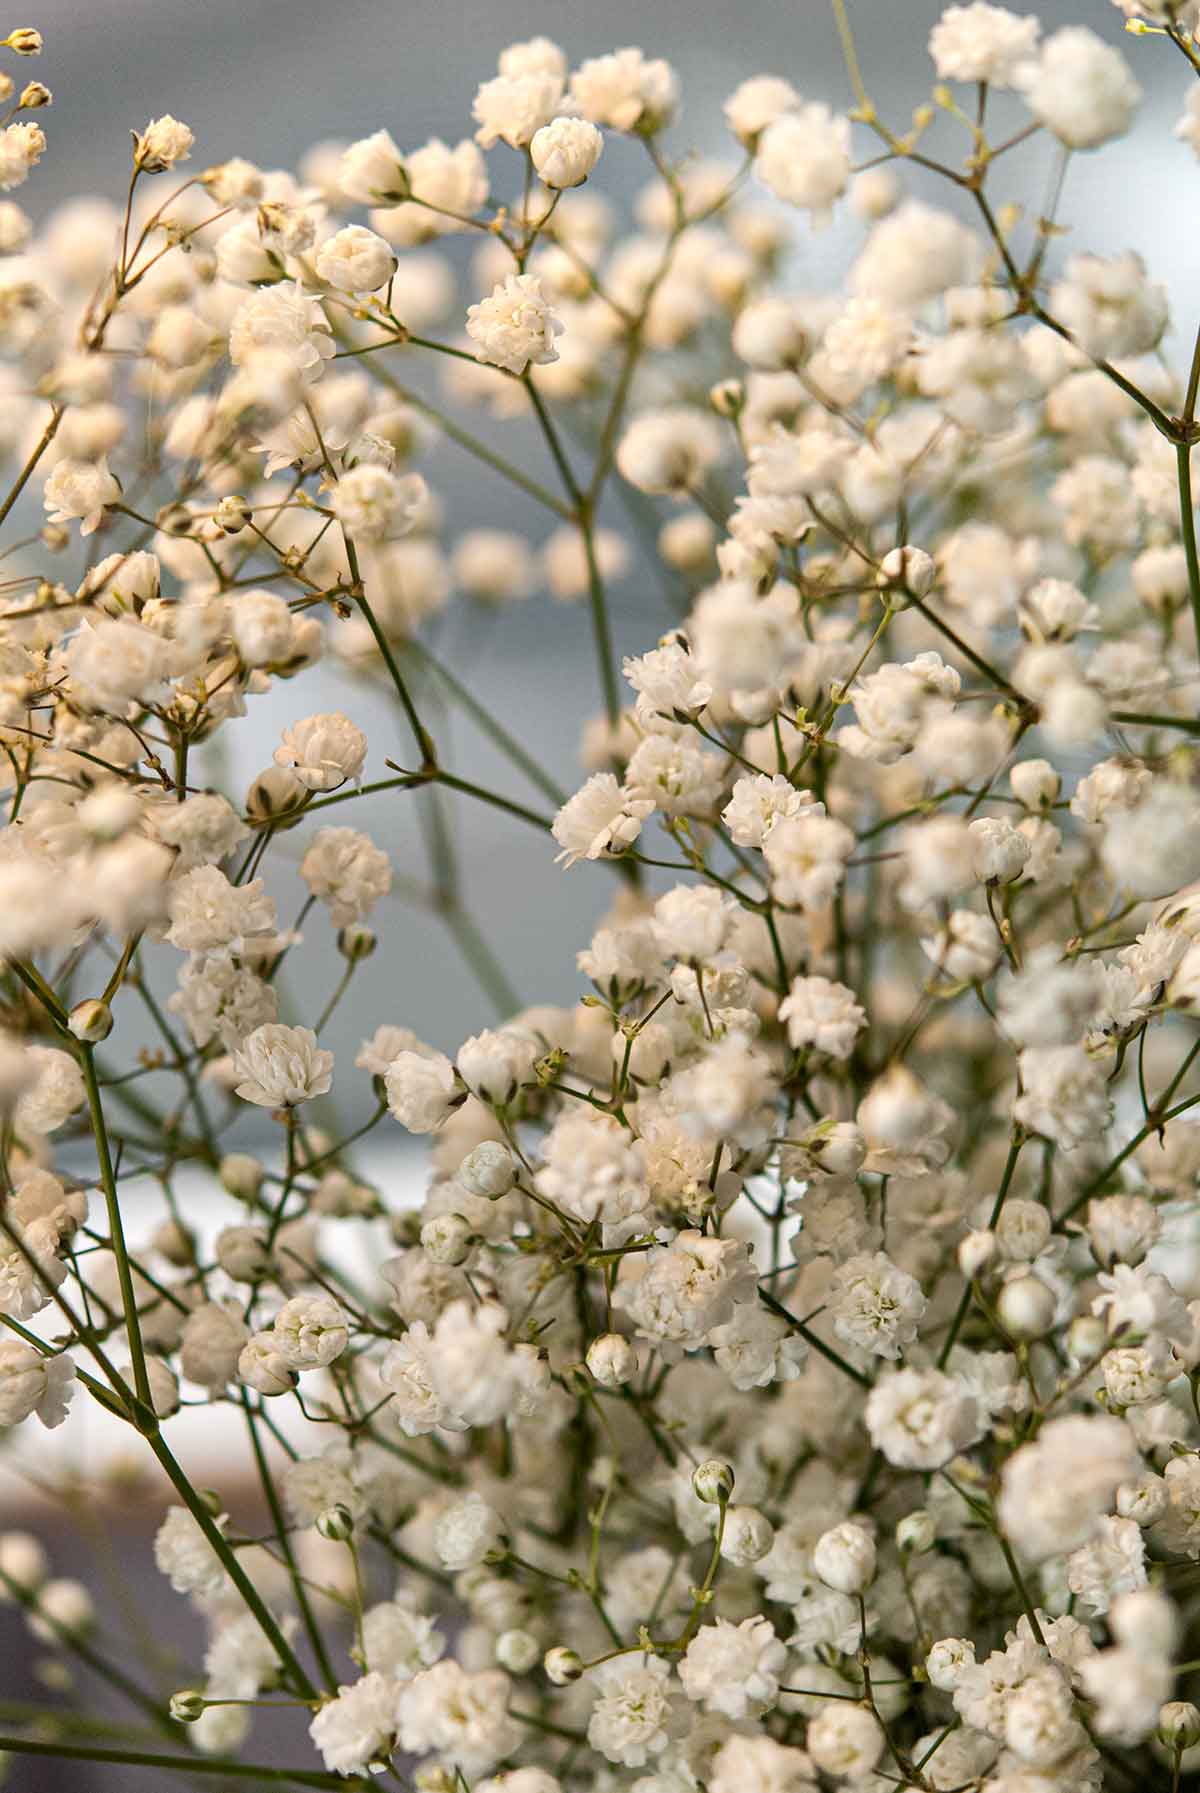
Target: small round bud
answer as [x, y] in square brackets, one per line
[34, 94]
[712, 1481]
[488, 1171]
[187, 1705]
[25, 41]
[1179, 1725]
[915, 1533]
[907, 569]
[241, 1175]
[232, 515]
[1026, 1307]
[562, 1665]
[727, 397]
[975, 1251]
[517, 1651]
[612, 1360]
[747, 1537]
[24, 1565]
[844, 1558]
[1035, 783]
[357, 942]
[446, 1239]
[175, 1242]
[274, 795]
[1086, 1338]
[91, 1020]
[336, 1523]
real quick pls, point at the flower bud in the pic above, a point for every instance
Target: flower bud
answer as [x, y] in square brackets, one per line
[91, 1020]
[915, 1533]
[33, 95]
[274, 795]
[562, 1665]
[612, 1360]
[357, 942]
[712, 1481]
[488, 1171]
[336, 1524]
[446, 1239]
[727, 397]
[187, 1705]
[232, 515]
[25, 41]
[975, 1251]
[241, 1175]
[1086, 1338]
[517, 1651]
[747, 1537]
[909, 569]
[844, 1558]
[1035, 783]
[1179, 1725]
[1026, 1307]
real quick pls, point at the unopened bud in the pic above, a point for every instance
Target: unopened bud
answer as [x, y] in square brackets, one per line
[357, 942]
[91, 1020]
[274, 794]
[1086, 1338]
[908, 569]
[488, 1170]
[517, 1651]
[33, 95]
[24, 40]
[976, 1250]
[232, 515]
[612, 1360]
[915, 1533]
[1026, 1307]
[241, 1175]
[336, 1523]
[446, 1239]
[562, 1665]
[712, 1481]
[1179, 1725]
[187, 1705]
[727, 397]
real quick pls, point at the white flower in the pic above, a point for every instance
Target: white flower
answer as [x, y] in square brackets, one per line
[822, 1014]
[323, 751]
[357, 1729]
[421, 1089]
[844, 1557]
[756, 103]
[600, 819]
[185, 1556]
[980, 42]
[287, 321]
[514, 327]
[209, 914]
[164, 142]
[278, 1066]
[635, 1713]
[375, 504]
[804, 157]
[464, 1717]
[400, 1641]
[80, 489]
[919, 1419]
[466, 1532]
[565, 151]
[626, 91]
[845, 1740]
[875, 1305]
[355, 260]
[734, 1669]
[310, 1331]
[33, 1383]
[806, 856]
[1080, 88]
[373, 169]
[22, 146]
[1054, 1490]
[346, 870]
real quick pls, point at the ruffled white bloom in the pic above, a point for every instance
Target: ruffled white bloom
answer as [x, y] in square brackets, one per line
[322, 752]
[279, 1067]
[514, 327]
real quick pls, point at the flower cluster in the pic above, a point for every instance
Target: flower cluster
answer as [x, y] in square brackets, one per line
[788, 1374]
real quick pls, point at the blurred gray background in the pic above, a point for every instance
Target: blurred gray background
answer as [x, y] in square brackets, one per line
[269, 79]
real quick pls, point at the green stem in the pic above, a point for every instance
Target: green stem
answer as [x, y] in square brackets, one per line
[137, 1351]
[138, 1758]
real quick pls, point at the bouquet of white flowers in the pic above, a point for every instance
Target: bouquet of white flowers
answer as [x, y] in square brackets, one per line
[790, 1374]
